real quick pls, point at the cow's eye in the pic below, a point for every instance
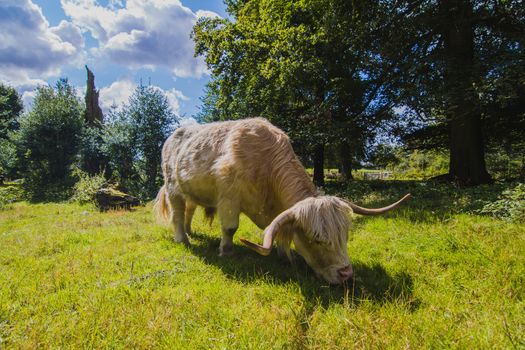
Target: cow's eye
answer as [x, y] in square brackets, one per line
[319, 242]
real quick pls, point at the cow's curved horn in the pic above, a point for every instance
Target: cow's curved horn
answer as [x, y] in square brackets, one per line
[269, 234]
[366, 211]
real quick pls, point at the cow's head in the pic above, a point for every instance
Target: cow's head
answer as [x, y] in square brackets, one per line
[318, 227]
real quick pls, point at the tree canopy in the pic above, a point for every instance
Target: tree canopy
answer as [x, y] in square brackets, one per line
[330, 72]
[49, 135]
[10, 109]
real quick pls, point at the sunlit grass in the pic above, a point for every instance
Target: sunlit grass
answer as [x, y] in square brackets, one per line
[72, 277]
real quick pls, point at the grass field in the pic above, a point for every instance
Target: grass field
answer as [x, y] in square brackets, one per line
[431, 275]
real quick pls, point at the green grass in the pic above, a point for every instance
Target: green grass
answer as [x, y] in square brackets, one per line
[431, 275]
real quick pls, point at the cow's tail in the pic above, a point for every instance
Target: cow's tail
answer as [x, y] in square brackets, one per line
[162, 205]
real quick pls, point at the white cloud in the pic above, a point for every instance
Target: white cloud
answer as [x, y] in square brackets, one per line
[27, 99]
[70, 33]
[174, 99]
[31, 50]
[142, 33]
[206, 13]
[119, 92]
[116, 94]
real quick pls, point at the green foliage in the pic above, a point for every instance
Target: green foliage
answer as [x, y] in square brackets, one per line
[462, 85]
[10, 194]
[151, 121]
[48, 140]
[87, 185]
[509, 206]
[118, 146]
[303, 65]
[507, 161]
[419, 165]
[432, 274]
[10, 108]
[8, 159]
[409, 164]
[91, 150]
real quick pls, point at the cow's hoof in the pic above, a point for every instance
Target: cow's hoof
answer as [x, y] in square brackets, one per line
[183, 240]
[225, 251]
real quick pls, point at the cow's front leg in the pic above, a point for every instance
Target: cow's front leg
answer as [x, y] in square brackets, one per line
[228, 213]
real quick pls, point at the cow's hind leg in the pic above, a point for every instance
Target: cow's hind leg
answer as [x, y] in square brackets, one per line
[178, 207]
[188, 216]
[228, 212]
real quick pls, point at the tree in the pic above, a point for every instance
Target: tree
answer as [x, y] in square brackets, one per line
[450, 56]
[151, 120]
[304, 66]
[10, 108]
[48, 139]
[92, 114]
[118, 147]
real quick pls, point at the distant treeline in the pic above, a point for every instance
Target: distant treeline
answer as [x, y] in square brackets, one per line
[60, 141]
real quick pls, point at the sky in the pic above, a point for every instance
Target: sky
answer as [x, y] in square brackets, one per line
[122, 42]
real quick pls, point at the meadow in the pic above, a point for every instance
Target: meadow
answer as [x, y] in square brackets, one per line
[433, 274]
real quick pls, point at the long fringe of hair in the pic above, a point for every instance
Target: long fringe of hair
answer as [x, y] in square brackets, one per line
[324, 219]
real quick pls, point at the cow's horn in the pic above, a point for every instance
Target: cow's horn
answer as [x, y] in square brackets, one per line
[367, 211]
[269, 234]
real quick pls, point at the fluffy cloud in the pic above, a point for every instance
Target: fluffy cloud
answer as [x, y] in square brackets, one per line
[119, 92]
[142, 33]
[70, 33]
[174, 99]
[116, 94]
[30, 49]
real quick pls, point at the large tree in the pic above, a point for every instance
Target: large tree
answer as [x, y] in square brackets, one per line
[307, 66]
[151, 120]
[48, 139]
[451, 57]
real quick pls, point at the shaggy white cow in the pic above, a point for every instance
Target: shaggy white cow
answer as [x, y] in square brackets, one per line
[249, 166]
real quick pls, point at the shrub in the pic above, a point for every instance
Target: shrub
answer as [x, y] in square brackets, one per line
[10, 194]
[509, 206]
[85, 188]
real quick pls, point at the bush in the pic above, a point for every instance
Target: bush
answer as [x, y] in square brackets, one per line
[419, 165]
[85, 188]
[10, 194]
[509, 206]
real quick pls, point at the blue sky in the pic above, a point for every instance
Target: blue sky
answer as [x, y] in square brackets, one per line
[121, 41]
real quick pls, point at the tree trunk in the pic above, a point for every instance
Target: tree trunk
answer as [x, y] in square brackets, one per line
[467, 154]
[319, 165]
[346, 161]
[93, 114]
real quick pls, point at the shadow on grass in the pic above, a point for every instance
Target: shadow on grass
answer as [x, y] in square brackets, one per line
[371, 283]
[431, 201]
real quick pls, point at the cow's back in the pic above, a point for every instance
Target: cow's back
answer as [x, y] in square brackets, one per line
[232, 159]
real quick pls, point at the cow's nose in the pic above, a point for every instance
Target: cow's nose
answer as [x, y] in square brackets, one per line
[345, 272]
